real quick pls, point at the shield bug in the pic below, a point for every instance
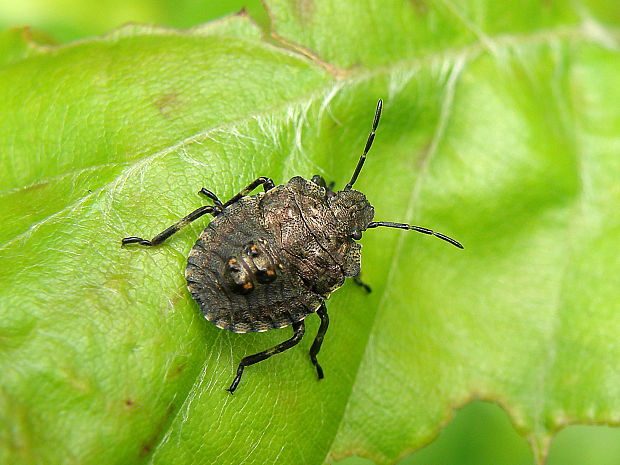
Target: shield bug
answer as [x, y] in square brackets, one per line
[270, 259]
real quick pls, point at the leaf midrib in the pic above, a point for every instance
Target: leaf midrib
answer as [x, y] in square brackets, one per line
[447, 100]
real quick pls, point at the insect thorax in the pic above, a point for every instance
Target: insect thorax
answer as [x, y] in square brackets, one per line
[313, 228]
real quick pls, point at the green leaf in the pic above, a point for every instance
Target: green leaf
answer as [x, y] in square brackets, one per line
[500, 128]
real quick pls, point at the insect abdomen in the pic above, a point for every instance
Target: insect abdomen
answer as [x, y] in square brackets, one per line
[240, 279]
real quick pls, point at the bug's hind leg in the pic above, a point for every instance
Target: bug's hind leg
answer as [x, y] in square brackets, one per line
[267, 185]
[299, 330]
[166, 233]
[318, 340]
[357, 280]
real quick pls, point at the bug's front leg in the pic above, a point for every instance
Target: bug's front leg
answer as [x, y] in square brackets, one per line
[267, 183]
[166, 233]
[299, 329]
[211, 195]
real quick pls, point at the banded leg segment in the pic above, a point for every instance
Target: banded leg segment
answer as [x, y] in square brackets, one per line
[214, 210]
[318, 340]
[430, 232]
[267, 185]
[299, 329]
[371, 138]
[165, 234]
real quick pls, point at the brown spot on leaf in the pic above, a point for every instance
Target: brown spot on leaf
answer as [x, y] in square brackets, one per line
[305, 11]
[147, 446]
[36, 186]
[419, 6]
[423, 154]
[173, 373]
[168, 104]
[178, 297]
[36, 38]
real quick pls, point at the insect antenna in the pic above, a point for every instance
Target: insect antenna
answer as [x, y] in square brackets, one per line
[389, 224]
[371, 137]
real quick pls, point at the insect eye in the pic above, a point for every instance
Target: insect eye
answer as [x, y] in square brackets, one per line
[356, 234]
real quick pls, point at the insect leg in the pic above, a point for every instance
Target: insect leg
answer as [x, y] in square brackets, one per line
[298, 328]
[318, 340]
[357, 280]
[267, 185]
[219, 206]
[212, 196]
[165, 234]
[319, 181]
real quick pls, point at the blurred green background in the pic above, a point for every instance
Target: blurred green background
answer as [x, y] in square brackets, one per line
[480, 432]
[68, 20]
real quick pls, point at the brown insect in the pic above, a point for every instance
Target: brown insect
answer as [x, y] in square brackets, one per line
[271, 259]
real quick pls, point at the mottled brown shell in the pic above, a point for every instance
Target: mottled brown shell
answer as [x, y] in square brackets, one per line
[271, 259]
